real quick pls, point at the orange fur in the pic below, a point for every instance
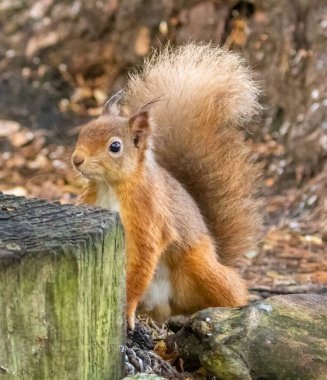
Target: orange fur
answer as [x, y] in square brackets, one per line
[182, 180]
[200, 281]
[205, 96]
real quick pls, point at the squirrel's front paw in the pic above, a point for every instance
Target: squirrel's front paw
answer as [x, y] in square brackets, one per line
[130, 314]
[131, 322]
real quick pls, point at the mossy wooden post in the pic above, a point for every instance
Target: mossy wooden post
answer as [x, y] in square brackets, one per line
[62, 291]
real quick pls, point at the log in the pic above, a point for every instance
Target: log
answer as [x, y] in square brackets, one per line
[143, 376]
[62, 291]
[282, 337]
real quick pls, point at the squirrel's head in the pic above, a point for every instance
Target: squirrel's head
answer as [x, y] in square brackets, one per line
[112, 148]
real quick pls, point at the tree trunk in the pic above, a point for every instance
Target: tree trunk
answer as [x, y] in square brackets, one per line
[62, 290]
[282, 337]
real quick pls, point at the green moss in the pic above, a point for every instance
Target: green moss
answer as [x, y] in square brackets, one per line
[283, 337]
[61, 311]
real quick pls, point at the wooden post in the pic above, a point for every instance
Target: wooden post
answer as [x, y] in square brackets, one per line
[62, 291]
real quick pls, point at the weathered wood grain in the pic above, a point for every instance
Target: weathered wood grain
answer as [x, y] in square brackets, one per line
[62, 291]
[282, 337]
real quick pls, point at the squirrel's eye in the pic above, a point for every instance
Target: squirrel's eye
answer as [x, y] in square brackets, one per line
[115, 147]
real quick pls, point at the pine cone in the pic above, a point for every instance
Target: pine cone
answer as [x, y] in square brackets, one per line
[142, 361]
[140, 337]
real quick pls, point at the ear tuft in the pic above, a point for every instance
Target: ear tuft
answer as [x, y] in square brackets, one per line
[111, 106]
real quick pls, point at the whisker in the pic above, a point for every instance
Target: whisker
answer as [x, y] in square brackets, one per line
[105, 179]
[155, 100]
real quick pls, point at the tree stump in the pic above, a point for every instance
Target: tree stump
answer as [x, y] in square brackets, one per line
[282, 337]
[62, 291]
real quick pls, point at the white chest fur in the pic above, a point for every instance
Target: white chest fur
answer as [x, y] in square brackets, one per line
[156, 299]
[106, 197]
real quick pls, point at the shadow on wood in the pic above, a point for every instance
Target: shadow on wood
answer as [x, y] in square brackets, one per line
[62, 291]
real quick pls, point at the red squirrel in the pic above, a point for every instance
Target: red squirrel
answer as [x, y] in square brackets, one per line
[176, 168]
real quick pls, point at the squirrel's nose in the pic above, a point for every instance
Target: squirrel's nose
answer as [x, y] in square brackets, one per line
[78, 160]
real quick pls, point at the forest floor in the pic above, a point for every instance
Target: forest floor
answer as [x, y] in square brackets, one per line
[291, 256]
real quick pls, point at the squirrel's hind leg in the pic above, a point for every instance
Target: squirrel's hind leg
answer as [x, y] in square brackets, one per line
[200, 281]
[156, 303]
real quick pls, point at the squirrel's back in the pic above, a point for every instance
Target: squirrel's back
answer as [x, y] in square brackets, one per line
[205, 94]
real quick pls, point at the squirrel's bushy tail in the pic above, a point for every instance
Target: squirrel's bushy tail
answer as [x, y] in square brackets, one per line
[205, 95]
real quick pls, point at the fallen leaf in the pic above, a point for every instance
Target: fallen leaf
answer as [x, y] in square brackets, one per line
[161, 350]
[312, 239]
[21, 138]
[143, 41]
[19, 191]
[8, 127]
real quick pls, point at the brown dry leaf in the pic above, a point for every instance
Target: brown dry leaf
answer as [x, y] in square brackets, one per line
[100, 96]
[319, 277]
[295, 253]
[251, 254]
[275, 275]
[41, 41]
[19, 191]
[40, 162]
[21, 138]
[312, 239]
[8, 127]
[270, 182]
[239, 33]
[143, 41]
[161, 350]
[94, 112]
[81, 93]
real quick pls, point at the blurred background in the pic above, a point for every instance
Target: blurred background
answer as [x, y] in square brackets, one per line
[60, 60]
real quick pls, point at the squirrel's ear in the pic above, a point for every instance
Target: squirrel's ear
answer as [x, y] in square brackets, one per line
[140, 127]
[111, 106]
